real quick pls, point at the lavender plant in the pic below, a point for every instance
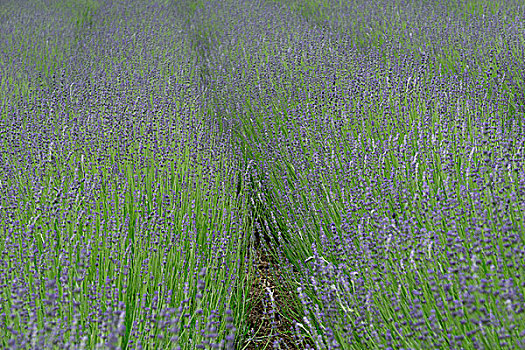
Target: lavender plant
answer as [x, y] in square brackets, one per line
[395, 180]
[377, 147]
[119, 227]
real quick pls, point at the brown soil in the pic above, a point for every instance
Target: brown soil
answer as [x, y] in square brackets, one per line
[261, 324]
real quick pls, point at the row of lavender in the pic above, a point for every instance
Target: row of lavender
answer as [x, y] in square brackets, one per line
[119, 227]
[387, 160]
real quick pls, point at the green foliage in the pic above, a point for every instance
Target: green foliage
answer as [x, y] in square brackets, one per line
[314, 11]
[83, 12]
[270, 184]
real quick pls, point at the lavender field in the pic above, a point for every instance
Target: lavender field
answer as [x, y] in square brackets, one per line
[262, 174]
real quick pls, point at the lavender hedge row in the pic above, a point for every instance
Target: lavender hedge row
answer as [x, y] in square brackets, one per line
[119, 225]
[390, 167]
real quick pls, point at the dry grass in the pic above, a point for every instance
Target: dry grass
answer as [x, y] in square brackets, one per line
[263, 290]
